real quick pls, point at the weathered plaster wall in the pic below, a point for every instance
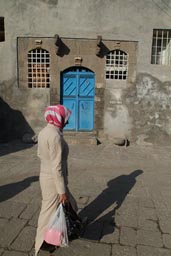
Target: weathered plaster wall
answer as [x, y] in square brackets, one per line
[141, 112]
[21, 110]
[113, 19]
[149, 106]
[117, 120]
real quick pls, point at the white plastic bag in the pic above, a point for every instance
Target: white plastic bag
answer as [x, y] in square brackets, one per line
[56, 232]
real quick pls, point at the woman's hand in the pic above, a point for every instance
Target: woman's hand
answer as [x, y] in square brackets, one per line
[63, 198]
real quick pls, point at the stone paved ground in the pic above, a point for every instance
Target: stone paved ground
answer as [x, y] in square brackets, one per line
[125, 192]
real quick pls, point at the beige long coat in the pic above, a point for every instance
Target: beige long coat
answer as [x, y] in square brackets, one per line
[53, 153]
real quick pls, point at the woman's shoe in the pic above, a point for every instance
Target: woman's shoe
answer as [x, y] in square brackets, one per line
[48, 247]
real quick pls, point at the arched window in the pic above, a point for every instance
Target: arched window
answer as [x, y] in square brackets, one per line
[117, 65]
[38, 68]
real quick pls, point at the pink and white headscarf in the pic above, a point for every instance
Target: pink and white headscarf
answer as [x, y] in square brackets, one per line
[57, 115]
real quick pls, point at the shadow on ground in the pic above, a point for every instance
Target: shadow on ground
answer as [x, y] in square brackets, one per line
[13, 126]
[112, 197]
[10, 190]
[13, 146]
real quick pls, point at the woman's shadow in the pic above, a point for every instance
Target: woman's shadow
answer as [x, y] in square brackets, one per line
[111, 197]
[10, 190]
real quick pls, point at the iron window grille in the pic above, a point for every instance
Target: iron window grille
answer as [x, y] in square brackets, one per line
[117, 65]
[38, 68]
[161, 47]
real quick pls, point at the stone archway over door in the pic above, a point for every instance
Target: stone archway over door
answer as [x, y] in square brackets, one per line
[77, 93]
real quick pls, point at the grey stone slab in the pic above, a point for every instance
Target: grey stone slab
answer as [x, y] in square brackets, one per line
[25, 241]
[107, 215]
[128, 236]
[118, 250]
[139, 191]
[1, 251]
[84, 248]
[24, 197]
[93, 231]
[145, 202]
[14, 253]
[151, 238]
[151, 251]
[96, 209]
[147, 213]
[82, 200]
[130, 202]
[29, 212]
[37, 198]
[165, 224]
[126, 220]
[10, 209]
[110, 234]
[34, 219]
[147, 224]
[167, 200]
[163, 211]
[9, 230]
[167, 240]
[128, 209]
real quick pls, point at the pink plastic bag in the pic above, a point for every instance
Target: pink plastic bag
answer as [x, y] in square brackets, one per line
[56, 231]
[52, 236]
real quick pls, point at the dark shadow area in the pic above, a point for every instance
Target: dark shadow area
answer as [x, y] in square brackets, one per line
[10, 190]
[115, 193]
[103, 50]
[13, 146]
[2, 29]
[62, 50]
[13, 127]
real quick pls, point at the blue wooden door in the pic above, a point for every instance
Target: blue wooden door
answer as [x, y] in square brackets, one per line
[77, 93]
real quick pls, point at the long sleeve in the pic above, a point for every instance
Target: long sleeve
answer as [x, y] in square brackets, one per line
[55, 151]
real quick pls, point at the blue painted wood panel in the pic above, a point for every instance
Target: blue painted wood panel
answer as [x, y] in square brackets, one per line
[77, 93]
[86, 85]
[69, 85]
[86, 110]
[71, 104]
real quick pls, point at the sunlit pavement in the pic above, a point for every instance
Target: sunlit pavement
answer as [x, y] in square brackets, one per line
[124, 192]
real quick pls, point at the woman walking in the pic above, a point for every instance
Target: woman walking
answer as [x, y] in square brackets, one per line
[53, 152]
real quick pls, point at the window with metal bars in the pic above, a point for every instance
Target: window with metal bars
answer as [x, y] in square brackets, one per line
[2, 29]
[161, 47]
[38, 68]
[117, 65]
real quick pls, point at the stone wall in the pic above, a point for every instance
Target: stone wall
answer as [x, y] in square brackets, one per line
[138, 109]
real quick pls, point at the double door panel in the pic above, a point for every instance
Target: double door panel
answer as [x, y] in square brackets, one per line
[78, 95]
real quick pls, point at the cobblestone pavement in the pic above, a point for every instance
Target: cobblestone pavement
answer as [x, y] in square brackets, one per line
[125, 192]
